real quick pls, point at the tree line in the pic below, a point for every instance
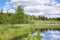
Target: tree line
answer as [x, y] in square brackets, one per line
[42, 17]
[19, 17]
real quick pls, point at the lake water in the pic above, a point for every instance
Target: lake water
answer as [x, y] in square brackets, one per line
[46, 35]
[51, 35]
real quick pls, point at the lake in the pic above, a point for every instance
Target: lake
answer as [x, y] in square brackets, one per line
[51, 35]
[48, 35]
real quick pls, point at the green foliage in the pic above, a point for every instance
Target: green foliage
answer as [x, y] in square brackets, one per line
[18, 18]
[38, 35]
[3, 18]
[12, 19]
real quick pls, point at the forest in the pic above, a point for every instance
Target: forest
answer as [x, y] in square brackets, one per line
[20, 17]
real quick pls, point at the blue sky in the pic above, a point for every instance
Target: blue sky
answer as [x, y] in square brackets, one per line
[50, 8]
[2, 3]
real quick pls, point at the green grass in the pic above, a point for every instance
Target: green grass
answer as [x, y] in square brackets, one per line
[46, 21]
[9, 31]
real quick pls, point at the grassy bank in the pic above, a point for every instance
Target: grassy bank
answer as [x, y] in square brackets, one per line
[10, 32]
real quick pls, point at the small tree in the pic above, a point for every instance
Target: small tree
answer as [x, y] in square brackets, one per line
[19, 17]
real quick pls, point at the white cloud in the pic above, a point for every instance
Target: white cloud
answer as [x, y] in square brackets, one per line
[18, 0]
[37, 7]
[41, 2]
[11, 11]
[9, 7]
[4, 10]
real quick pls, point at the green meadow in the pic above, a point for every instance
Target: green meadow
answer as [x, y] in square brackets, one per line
[16, 31]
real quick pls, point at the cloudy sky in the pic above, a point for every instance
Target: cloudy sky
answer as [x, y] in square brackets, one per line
[50, 8]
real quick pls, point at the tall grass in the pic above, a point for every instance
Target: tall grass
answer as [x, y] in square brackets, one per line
[10, 32]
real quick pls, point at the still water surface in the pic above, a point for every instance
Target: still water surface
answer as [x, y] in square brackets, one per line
[51, 35]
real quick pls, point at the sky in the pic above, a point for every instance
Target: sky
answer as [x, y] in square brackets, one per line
[49, 8]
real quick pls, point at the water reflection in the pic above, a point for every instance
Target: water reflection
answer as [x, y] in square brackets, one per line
[51, 35]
